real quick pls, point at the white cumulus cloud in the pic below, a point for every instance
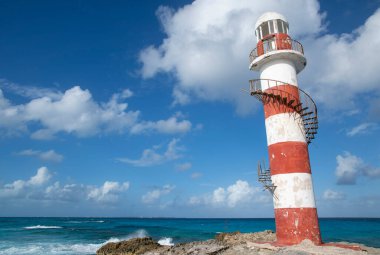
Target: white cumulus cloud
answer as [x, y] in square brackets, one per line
[108, 192]
[38, 187]
[208, 52]
[350, 168]
[23, 188]
[76, 112]
[238, 194]
[169, 126]
[49, 155]
[43, 175]
[155, 194]
[151, 157]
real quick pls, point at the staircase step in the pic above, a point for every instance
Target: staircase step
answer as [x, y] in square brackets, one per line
[311, 118]
[297, 105]
[291, 101]
[307, 113]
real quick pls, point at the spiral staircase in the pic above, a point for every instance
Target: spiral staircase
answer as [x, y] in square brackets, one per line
[300, 106]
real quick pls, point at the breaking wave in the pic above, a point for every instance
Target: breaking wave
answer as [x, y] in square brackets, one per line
[42, 227]
[166, 241]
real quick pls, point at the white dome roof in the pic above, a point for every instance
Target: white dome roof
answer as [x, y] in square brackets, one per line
[269, 16]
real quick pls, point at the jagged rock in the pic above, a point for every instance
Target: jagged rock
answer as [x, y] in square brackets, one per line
[135, 246]
[239, 238]
[260, 243]
[222, 236]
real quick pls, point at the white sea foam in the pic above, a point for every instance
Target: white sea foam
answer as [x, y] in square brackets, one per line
[41, 227]
[166, 241]
[137, 234]
[64, 249]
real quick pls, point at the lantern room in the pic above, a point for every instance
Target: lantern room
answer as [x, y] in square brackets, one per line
[274, 42]
[269, 24]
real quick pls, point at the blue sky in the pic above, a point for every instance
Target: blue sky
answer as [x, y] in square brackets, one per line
[135, 108]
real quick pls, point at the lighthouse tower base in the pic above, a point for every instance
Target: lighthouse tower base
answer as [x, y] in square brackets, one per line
[293, 225]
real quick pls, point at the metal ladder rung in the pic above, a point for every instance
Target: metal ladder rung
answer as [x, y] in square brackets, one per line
[311, 118]
[310, 123]
[305, 114]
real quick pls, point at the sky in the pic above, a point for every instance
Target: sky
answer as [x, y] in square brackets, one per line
[137, 108]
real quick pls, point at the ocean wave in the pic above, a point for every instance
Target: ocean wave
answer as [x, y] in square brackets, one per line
[65, 249]
[51, 248]
[166, 241]
[140, 233]
[42, 227]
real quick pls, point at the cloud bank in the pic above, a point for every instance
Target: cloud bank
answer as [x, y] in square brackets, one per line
[39, 188]
[76, 112]
[350, 167]
[151, 157]
[238, 194]
[208, 52]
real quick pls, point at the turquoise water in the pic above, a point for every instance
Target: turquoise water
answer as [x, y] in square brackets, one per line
[86, 235]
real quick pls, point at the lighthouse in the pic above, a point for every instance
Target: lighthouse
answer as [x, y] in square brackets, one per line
[291, 123]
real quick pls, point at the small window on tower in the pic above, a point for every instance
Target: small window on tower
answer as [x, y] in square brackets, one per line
[280, 26]
[265, 29]
[271, 28]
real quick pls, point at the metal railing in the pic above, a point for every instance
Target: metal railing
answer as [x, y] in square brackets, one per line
[275, 44]
[270, 92]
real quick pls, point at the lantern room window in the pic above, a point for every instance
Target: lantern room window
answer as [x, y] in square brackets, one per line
[264, 29]
[271, 27]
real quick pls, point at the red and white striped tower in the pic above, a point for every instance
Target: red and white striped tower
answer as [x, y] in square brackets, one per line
[291, 122]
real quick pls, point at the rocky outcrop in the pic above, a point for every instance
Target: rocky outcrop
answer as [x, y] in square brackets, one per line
[135, 246]
[260, 243]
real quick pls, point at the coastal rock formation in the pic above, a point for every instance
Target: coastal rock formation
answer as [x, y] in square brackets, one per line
[236, 243]
[130, 247]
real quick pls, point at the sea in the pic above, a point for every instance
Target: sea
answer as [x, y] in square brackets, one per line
[86, 235]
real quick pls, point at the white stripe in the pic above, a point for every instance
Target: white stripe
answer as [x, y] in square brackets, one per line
[293, 190]
[284, 127]
[282, 70]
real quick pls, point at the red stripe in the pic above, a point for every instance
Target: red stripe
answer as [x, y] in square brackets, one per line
[289, 157]
[272, 106]
[293, 225]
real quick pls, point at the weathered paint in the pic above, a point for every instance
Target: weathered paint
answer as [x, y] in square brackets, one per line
[289, 157]
[278, 41]
[284, 127]
[293, 225]
[294, 190]
[294, 202]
